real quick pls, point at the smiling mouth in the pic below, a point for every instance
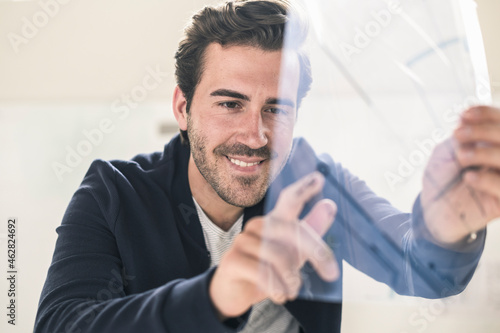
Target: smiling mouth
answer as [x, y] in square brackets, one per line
[242, 163]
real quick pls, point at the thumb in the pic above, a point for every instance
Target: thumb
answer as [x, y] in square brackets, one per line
[321, 216]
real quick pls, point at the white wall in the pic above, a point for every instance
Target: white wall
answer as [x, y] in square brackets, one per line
[64, 80]
[95, 50]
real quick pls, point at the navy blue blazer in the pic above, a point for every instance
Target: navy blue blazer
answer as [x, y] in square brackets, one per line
[131, 257]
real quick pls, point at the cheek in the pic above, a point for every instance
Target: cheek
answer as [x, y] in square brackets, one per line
[214, 120]
[282, 144]
[215, 129]
[282, 134]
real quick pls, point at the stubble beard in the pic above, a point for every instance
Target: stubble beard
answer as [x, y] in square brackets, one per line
[240, 191]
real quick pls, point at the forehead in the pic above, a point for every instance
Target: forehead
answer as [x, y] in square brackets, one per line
[247, 68]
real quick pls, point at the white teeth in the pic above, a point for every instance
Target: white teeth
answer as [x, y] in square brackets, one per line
[242, 164]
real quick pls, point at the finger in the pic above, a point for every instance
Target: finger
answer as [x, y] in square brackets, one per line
[484, 181]
[271, 284]
[308, 245]
[488, 132]
[280, 256]
[481, 113]
[257, 273]
[321, 216]
[319, 254]
[293, 198]
[284, 261]
[482, 155]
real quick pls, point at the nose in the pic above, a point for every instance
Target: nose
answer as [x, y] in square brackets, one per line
[253, 132]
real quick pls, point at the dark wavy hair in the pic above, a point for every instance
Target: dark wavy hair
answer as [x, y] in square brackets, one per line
[254, 23]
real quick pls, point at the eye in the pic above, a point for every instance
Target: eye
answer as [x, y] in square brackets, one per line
[229, 105]
[276, 111]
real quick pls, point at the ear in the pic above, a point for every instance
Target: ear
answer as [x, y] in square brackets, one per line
[179, 104]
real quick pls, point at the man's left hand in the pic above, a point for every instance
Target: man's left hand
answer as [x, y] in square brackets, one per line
[453, 210]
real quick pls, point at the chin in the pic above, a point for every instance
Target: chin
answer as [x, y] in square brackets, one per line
[243, 201]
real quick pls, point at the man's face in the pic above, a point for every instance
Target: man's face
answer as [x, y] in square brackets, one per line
[240, 123]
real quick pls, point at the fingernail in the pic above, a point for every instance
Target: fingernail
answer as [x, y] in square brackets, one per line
[472, 112]
[314, 178]
[312, 181]
[464, 132]
[332, 212]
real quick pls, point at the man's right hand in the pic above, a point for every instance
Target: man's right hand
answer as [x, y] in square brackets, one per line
[266, 258]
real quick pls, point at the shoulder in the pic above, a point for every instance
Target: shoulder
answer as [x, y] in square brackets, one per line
[139, 167]
[122, 185]
[137, 176]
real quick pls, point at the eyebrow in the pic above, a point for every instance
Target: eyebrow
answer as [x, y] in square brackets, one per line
[230, 93]
[280, 101]
[237, 95]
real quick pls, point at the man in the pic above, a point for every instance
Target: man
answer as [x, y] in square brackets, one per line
[180, 242]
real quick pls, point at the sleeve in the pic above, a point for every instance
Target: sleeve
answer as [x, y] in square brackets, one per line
[395, 247]
[85, 290]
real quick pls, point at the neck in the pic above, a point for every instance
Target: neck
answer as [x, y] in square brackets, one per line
[221, 213]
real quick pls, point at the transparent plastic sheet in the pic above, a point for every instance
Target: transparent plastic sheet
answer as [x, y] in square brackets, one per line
[390, 80]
